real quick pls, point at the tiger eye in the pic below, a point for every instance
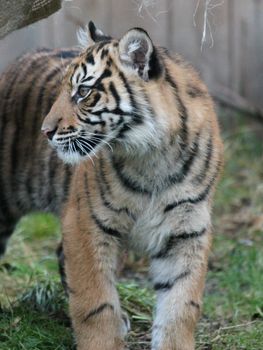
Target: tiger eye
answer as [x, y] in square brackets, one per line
[83, 91]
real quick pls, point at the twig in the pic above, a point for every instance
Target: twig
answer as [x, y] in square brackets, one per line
[205, 24]
[209, 6]
[144, 6]
[237, 326]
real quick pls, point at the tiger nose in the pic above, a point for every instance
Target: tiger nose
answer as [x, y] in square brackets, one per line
[49, 133]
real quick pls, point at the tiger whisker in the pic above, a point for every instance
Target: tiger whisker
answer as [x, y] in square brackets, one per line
[87, 146]
[71, 147]
[81, 147]
[103, 141]
[94, 136]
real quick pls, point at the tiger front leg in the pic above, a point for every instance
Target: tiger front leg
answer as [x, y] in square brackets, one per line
[178, 272]
[90, 264]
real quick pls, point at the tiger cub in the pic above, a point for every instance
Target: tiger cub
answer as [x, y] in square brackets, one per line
[140, 128]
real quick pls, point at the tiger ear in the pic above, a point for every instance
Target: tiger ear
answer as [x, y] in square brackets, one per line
[137, 52]
[90, 35]
[96, 34]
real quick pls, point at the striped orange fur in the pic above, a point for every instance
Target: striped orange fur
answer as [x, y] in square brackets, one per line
[31, 175]
[140, 129]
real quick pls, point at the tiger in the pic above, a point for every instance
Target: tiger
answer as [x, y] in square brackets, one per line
[129, 156]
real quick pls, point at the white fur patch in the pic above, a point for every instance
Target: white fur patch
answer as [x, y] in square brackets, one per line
[83, 37]
[72, 158]
[134, 46]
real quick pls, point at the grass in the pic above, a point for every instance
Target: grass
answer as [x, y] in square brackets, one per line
[33, 307]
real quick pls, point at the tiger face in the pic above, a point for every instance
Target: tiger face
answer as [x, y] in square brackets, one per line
[102, 101]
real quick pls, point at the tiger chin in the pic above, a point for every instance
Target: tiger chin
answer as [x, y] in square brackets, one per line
[140, 127]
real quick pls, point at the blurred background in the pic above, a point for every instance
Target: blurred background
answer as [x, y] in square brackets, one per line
[223, 40]
[230, 58]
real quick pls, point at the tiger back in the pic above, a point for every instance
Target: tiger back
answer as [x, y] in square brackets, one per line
[31, 176]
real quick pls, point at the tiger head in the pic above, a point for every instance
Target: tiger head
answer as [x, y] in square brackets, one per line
[104, 97]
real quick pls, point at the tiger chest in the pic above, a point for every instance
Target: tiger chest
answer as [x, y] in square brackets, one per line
[140, 221]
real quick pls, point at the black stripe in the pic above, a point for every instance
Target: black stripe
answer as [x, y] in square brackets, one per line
[115, 94]
[199, 198]
[110, 62]
[90, 59]
[196, 305]
[103, 175]
[108, 230]
[187, 235]
[104, 53]
[106, 74]
[70, 128]
[130, 92]
[180, 175]
[87, 79]
[90, 122]
[128, 183]
[169, 181]
[209, 151]
[195, 91]
[77, 77]
[182, 111]
[61, 266]
[98, 310]
[173, 240]
[95, 100]
[66, 54]
[135, 120]
[165, 286]
[155, 65]
[105, 202]
[192, 154]
[106, 40]
[66, 181]
[83, 65]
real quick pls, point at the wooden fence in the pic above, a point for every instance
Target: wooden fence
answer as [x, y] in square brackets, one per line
[231, 61]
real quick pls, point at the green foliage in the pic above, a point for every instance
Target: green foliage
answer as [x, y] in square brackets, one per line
[39, 226]
[24, 328]
[45, 296]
